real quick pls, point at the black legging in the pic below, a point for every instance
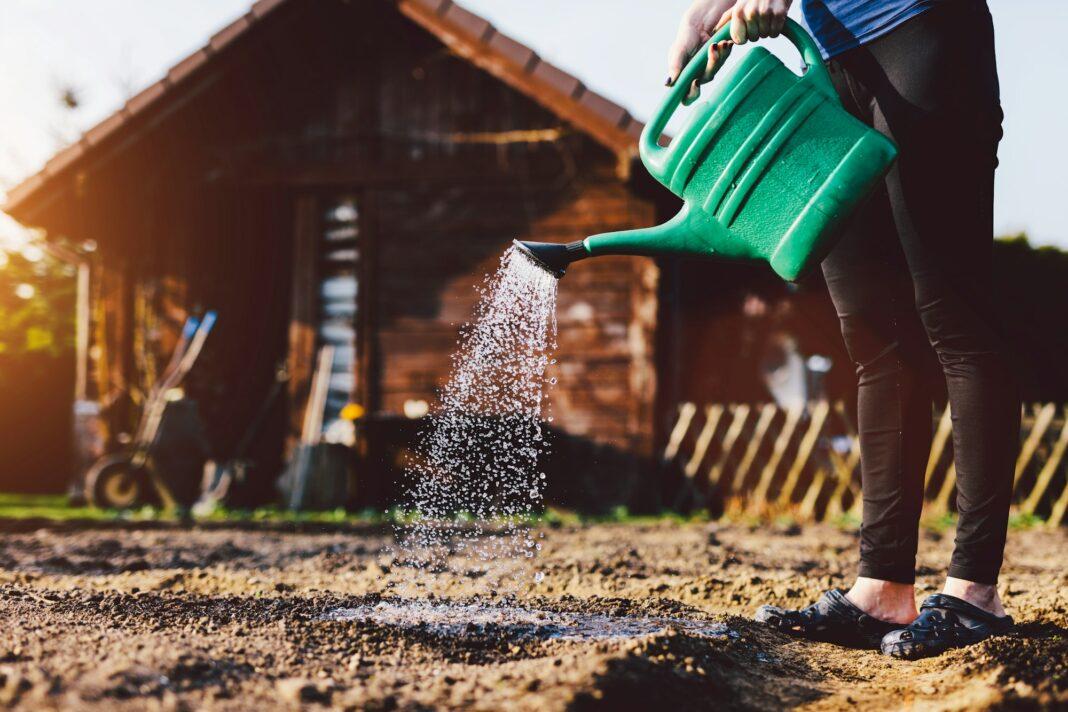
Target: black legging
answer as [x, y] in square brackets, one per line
[915, 268]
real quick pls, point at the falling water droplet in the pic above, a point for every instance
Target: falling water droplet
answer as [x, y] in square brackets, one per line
[474, 476]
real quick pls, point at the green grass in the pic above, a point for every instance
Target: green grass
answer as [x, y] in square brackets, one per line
[617, 515]
[1025, 521]
[23, 506]
[947, 521]
[55, 507]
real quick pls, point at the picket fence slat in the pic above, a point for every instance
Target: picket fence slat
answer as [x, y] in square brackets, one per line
[741, 414]
[1044, 478]
[945, 429]
[713, 413]
[804, 451]
[678, 432]
[1043, 417]
[782, 442]
[767, 414]
[822, 455]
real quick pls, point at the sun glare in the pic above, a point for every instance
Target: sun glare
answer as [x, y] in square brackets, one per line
[12, 235]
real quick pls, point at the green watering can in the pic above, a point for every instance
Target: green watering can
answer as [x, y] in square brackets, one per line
[769, 167]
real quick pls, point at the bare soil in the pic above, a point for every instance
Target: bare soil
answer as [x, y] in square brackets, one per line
[626, 617]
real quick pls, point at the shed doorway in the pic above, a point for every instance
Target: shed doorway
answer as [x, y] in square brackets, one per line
[330, 305]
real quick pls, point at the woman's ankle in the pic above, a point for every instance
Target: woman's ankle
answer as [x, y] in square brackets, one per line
[888, 601]
[982, 595]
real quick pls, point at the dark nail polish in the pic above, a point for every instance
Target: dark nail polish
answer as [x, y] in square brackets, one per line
[669, 82]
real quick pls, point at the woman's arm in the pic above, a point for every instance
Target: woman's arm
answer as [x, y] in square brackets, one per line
[749, 19]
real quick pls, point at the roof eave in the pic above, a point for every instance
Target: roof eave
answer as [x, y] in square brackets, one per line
[465, 33]
[479, 42]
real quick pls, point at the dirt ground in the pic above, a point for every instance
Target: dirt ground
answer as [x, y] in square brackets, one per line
[625, 617]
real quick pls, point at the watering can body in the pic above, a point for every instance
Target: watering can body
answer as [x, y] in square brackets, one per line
[769, 167]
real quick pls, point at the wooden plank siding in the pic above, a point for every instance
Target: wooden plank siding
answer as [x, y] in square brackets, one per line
[208, 196]
[426, 280]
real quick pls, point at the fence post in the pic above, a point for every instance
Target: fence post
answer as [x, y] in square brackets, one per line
[782, 443]
[678, 432]
[1046, 475]
[945, 429]
[741, 414]
[767, 414]
[804, 450]
[1056, 515]
[1042, 420]
[713, 414]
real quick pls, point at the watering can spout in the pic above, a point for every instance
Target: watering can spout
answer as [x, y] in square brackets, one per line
[552, 256]
[686, 232]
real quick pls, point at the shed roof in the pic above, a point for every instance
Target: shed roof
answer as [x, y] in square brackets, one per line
[463, 32]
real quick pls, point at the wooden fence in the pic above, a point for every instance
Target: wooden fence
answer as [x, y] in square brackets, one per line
[806, 460]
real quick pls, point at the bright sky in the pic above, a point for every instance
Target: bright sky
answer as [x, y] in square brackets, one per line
[108, 49]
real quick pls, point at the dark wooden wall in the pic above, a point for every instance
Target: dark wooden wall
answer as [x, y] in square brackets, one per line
[726, 321]
[35, 422]
[448, 166]
[425, 282]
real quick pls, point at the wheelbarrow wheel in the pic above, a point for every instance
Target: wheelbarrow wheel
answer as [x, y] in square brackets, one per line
[113, 482]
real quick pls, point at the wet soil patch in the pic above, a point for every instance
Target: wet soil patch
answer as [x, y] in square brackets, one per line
[623, 617]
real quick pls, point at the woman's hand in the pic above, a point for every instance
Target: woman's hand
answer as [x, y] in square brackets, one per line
[749, 20]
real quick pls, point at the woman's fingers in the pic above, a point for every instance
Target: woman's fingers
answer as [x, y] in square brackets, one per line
[739, 30]
[676, 59]
[725, 19]
[748, 20]
[694, 92]
[764, 18]
[752, 19]
[752, 22]
[679, 55]
[778, 21]
[717, 54]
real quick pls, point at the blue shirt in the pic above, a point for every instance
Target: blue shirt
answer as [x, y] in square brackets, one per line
[840, 25]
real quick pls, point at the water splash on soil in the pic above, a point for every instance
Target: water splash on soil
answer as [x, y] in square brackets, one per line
[515, 622]
[474, 480]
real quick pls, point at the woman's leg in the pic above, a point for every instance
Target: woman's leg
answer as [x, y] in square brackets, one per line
[935, 90]
[871, 289]
[915, 271]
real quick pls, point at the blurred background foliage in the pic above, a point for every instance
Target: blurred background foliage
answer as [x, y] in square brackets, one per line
[37, 301]
[37, 307]
[1031, 301]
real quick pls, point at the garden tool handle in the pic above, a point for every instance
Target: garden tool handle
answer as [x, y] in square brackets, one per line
[653, 152]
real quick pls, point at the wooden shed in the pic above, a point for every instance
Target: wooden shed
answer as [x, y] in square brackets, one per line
[346, 172]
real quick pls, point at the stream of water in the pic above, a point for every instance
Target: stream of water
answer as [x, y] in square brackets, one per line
[474, 482]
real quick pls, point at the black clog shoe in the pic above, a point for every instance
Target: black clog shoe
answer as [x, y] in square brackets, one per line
[945, 622]
[832, 619]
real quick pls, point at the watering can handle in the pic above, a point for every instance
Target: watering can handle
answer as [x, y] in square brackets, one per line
[651, 150]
